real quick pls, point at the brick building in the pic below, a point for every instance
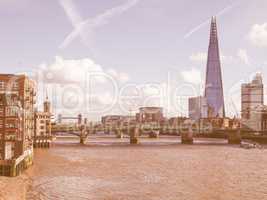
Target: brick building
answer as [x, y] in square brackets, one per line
[17, 99]
[10, 126]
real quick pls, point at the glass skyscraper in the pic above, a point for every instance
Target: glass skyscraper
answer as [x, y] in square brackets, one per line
[213, 86]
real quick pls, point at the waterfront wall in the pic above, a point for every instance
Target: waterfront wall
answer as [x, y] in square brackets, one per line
[15, 167]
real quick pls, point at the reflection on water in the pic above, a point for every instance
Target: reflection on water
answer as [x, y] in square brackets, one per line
[110, 170]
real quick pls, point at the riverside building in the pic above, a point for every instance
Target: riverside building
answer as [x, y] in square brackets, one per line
[198, 108]
[17, 99]
[42, 128]
[253, 110]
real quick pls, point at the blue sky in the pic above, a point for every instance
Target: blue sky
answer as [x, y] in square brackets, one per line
[140, 42]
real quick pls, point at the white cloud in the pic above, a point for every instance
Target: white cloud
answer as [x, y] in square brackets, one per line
[79, 85]
[77, 71]
[243, 56]
[151, 89]
[68, 71]
[192, 76]
[120, 76]
[258, 35]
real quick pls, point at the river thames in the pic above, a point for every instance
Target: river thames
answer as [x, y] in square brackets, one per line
[157, 169]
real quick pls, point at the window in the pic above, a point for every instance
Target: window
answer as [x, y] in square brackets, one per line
[2, 85]
[12, 111]
[1, 111]
[11, 125]
[15, 85]
[10, 135]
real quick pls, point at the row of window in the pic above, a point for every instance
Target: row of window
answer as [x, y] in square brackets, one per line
[13, 125]
[13, 85]
[10, 111]
[42, 117]
[11, 135]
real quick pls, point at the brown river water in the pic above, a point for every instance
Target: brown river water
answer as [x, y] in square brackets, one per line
[157, 169]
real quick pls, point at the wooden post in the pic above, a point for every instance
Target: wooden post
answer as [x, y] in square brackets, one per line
[234, 137]
[134, 133]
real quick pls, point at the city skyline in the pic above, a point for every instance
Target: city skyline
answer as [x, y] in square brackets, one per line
[132, 56]
[133, 99]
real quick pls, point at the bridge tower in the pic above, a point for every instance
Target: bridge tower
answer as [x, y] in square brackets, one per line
[83, 134]
[85, 121]
[47, 105]
[79, 119]
[59, 118]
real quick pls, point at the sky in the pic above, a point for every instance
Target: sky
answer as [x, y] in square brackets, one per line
[150, 52]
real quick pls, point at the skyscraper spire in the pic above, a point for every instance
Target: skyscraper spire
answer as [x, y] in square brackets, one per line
[46, 93]
[213, 86]
[213, 30]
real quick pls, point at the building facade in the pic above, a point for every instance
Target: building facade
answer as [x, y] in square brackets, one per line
[10, 126]
[257, 121]
[150, 115]
[117, 120]
[42, 124]
[19, 89]
[253, 111]
[198, 108]
[17, 100]
[214, 86]
[43, 127]
[252, 96]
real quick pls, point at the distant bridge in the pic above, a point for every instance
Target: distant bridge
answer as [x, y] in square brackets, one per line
[135, 130]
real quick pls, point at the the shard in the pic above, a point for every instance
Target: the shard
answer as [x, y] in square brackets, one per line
[213, 86]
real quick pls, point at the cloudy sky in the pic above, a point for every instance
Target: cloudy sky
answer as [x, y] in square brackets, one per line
[154, 46]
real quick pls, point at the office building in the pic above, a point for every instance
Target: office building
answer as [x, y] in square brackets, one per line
[251, 96]
[198, 108]
[150, 114]
[214, 86]
[253, 111]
